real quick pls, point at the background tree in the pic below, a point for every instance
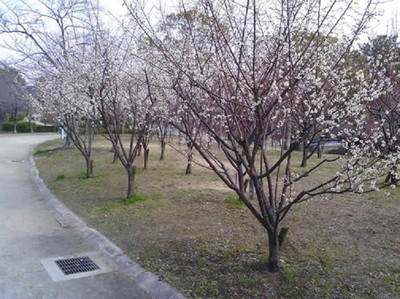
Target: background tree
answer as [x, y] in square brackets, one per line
[51, 39]
[121, 94]
[184, 31]
[13, 95]
[382, 56]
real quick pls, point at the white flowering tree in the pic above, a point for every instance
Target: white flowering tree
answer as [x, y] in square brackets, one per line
[119, 85]
[260, 68]
[382, 58]
[65, 94]
[175, 35]
[320, 99]
[57, 43]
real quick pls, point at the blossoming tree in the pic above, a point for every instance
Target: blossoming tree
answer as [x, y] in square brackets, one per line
[48, 38]
[248, 71]
[382, 63]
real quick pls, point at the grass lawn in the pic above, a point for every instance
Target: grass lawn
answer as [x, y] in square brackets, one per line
[192, 231]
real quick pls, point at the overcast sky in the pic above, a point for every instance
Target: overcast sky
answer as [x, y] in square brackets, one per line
[388, 23]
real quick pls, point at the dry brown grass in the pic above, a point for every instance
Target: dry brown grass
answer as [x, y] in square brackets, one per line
[190, 230]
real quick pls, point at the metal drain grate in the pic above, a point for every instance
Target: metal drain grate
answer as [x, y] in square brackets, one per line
[76, 265]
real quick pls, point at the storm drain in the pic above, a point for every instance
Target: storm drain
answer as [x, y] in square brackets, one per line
[76, 265]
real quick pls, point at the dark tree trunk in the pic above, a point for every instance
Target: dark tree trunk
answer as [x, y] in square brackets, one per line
[146, 153]
[251, 189]
[89, 167]
[188, 168]
[394, 180]
[115, 158]
[189, 160]
[88, 141]
[163, 144]
[304, 155]
[391, 178]
[15, 119]
[115, 152]
[131, 181]
[282, 235]
[319, 152]
[273, 246]
[69, 144]
[287, 136]
[30, 125]
[245, 185]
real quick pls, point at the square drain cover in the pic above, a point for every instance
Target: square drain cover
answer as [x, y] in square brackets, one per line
[76, 265]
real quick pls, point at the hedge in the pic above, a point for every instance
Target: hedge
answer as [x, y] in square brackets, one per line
[46, 129]
[24, 127]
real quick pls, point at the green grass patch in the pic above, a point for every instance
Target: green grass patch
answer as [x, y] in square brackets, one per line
[289, 274]
[207, 286]
[133, 199]
[120, 202]
[106, 208]
[40, 152]
[60, 177]
[235, 203]
[83, 176]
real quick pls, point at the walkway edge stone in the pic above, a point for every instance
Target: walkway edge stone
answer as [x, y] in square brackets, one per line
[148, 281]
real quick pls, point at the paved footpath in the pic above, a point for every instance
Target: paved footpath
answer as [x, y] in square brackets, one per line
[37, 233]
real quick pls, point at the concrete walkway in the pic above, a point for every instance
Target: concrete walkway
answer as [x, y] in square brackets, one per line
[36, 230]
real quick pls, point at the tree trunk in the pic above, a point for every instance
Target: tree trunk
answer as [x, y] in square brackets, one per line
[304, 155]
[115, 152]
[188, 168]
[30, 125]
[89, 167]
[251, 189]
[15, 119]
[69, 144]
[319, 152]
[163, 144]
[115, 157]
[131, 181]
[88, 132]
[287, 136]
[282, 235]
[273, 246]
[88, 140]
[189, 160]
[392, 179]
[146, 153]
